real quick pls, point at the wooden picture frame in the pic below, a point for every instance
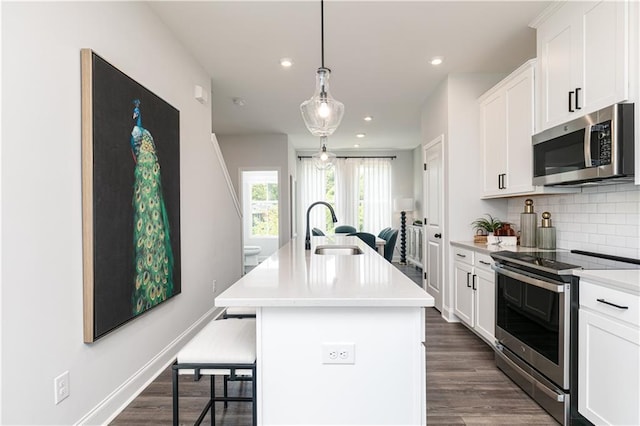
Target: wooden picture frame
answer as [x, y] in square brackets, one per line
[130, 198]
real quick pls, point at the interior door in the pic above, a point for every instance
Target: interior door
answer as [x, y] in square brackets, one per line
[433, 185]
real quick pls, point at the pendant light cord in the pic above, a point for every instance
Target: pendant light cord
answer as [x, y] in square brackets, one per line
[322, 31]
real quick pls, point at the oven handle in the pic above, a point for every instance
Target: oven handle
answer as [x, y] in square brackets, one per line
[554, 286]
[550, 393]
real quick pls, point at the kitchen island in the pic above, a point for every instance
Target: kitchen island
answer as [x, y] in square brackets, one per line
[339, 336]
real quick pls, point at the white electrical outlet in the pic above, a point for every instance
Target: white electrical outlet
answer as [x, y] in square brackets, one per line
[61, 387]
[338, 353]
[213, 286]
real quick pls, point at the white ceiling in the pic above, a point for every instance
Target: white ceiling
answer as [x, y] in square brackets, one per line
[378, 52]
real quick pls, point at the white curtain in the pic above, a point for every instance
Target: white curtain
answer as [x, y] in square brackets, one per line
[373, 174]
[376, 174]
[346, 191]
[311, 188]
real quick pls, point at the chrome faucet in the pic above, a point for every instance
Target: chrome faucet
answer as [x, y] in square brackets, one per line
[307, 238]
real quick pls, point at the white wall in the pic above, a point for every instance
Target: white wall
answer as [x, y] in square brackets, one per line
[261, 152]
[602, 219]
[41, 312]
[452, 110]
[463, 155]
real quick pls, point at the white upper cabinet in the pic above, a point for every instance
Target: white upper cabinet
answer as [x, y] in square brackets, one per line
[506, 127]
[583, 59]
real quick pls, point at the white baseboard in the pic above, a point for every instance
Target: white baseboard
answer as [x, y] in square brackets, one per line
[123, 395]
[449, 316]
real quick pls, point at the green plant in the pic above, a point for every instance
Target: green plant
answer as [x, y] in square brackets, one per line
[491, 224]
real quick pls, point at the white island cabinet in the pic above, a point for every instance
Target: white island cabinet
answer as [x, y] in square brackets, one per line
[339, 337]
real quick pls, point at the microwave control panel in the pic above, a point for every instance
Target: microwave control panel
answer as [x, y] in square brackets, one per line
[601, 144]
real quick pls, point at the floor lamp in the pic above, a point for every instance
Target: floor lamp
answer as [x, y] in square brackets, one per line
[403, 205]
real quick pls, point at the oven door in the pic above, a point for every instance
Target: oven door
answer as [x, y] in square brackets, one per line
[532, 320]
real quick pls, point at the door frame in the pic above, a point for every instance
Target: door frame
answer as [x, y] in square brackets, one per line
[425, 240]
[281, 207]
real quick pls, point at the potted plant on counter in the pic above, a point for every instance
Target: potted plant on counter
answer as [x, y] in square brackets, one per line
[484, 227]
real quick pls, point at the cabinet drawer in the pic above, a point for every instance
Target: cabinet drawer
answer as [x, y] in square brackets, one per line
[463, 255]
[600, 299]
[483, 261]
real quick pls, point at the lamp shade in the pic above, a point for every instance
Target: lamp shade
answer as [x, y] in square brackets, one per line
[322, 113]
[403, 204]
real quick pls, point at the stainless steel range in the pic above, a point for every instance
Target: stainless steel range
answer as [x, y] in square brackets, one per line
[537, 323]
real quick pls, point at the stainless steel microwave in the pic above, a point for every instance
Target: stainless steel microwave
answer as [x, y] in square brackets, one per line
[591, 148]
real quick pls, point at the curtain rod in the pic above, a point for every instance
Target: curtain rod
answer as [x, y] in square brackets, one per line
[392, 157]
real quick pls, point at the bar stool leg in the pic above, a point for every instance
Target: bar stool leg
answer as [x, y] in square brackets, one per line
[226, 384]
[175, 397]
[213, 402]
[254, 392]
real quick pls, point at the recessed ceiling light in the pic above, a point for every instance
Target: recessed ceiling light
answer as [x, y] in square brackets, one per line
[368, 118]
[436, 60]
[360, 135]
[357, 145]
[286, 62]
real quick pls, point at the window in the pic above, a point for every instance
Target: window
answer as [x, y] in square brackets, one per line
[263, 204]
[358, 189]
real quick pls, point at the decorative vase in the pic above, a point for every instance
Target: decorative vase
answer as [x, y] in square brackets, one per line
[528, 223]
[546, 233]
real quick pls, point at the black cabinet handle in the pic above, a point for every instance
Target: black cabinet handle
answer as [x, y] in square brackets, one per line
[484, 263]
[577, 101]
[504, 175]
[461, 255]
[570, 107]
[612, 304]
[473, 281]
[468, 275]
[437, 235]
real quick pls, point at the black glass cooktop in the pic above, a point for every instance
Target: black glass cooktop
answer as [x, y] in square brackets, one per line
[563, 262]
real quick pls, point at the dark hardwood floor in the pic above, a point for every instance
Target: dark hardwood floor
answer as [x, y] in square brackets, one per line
[464, 387]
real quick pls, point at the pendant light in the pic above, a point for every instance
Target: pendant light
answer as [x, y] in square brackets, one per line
[323, 159]
[322, 114]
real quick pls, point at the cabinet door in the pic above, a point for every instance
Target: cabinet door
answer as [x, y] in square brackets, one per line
[556, 40]
[493, 135]
[519, 122]
[583, 53]
[485, 298]
[608, 370]
[463, 298]
[605, 63]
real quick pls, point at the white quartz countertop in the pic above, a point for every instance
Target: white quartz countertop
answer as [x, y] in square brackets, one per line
[484, 248]
[622, 279]
[296, 277]
[627, 280]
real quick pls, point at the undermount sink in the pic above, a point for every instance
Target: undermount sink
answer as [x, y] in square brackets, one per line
[338, 250]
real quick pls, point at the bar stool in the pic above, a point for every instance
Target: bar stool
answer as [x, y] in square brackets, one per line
[222, 348]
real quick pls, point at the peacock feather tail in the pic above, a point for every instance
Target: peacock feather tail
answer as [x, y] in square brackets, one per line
[153, 260]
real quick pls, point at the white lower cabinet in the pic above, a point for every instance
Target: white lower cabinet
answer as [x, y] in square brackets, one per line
[475, 291]
[609, 356]
[486, 304]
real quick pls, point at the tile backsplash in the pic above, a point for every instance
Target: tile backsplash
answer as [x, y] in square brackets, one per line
[603, 219]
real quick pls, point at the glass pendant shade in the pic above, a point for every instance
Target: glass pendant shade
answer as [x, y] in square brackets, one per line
[323, 159]
[322, 114]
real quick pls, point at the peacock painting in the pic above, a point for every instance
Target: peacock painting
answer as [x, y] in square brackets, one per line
[130, 198]
[153, 258]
